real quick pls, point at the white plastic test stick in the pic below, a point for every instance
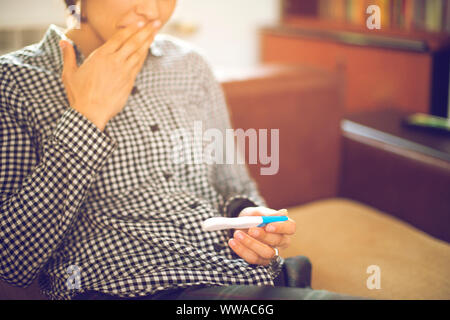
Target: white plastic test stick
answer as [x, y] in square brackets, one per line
[221, 223]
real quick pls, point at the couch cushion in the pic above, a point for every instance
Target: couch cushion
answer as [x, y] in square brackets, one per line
[343, 238]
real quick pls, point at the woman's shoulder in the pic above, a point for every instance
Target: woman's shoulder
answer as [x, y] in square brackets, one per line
[24, 75]
[24, 66]
[11, 69]
[31, 57]
[175, 47]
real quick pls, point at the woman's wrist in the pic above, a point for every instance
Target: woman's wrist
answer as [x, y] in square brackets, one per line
[98, 121]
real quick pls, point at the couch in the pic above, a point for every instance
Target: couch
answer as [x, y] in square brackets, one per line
[341, 237]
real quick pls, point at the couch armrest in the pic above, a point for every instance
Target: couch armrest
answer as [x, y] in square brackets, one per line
[407, 184]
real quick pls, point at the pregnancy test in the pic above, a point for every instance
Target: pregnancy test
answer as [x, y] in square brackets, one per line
[221, 223]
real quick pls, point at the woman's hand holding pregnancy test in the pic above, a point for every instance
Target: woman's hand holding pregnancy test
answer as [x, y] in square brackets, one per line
[256, 244]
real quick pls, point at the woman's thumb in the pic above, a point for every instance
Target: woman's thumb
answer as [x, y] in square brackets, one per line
[69, 58]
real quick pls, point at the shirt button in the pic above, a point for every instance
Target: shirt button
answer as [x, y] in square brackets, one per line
[134, 91]
[167, 175]
[154, 128]
[194, 205]
[218, 247]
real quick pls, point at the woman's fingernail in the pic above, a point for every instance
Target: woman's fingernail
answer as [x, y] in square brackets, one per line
[254, 232]
[239, 235]
[140, 24]
[157, 23]
[232, 242]
[270, 228]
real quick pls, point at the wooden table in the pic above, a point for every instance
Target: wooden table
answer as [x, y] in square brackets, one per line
[397, 169]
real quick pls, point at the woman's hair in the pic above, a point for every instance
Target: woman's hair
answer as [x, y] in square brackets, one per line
[70, 2]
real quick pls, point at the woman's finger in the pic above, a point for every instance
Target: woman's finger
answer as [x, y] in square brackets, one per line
[135, 64]
[137, 41]
[120, 37]
[262, 250]
[257, 211]
[246, 254]
[69, 60]
[286, 227]
[271, 239]
[136, 60]
[262, 211]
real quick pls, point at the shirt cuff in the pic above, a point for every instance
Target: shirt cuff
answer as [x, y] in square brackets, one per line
[234, 205]
[80, 136]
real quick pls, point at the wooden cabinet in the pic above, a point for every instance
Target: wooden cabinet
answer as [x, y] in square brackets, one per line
[392, 67]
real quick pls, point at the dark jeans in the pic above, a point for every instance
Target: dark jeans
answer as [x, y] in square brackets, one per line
[293, 283]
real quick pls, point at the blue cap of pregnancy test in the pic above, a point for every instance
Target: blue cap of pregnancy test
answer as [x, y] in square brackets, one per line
[270, 219]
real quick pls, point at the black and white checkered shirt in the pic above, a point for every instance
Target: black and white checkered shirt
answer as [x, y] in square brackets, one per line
[114, 205]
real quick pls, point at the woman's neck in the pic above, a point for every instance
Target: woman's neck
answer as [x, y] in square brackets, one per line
[86, 39]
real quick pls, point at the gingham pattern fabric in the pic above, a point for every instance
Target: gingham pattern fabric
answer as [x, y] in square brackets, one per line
[115, 205]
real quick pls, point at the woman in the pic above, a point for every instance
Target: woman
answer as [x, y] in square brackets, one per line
[92, 203]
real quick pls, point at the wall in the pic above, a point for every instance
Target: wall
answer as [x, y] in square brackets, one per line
[25, 13]
[228, 30]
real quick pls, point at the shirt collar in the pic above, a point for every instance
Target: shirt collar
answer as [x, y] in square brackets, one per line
[55, 33]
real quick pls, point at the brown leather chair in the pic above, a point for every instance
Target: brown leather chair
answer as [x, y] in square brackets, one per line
[342, 238]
